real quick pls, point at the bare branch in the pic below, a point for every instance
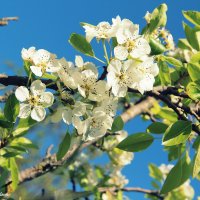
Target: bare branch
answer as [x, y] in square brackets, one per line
[4, 21]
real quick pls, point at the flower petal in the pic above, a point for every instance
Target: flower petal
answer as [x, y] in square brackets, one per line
[121, 52]
[79, 61]
[38, 113]
[25, 110]
[37, 87]
[22, 93]
[67, 116]
[46, 99]
[36, 70]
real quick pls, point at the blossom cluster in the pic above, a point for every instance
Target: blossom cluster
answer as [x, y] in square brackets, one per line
[86, 101]
[132, 65]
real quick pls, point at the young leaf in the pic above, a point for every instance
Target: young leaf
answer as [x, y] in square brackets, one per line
[192, 36]
[81, 44]
[11, 109]
[117, 125]
[193, 90]
[184, 44]
[64, 146]
[194, 71]
[14, 173]
[156, 47]
[192, 16]
[5, 124]
[172, 61]
[23, 126]
[177, 133]
[158, 17]
[155, 172]
[177, 176]
[157, 128]
[164, 73]
[196, 168]
[136, 142]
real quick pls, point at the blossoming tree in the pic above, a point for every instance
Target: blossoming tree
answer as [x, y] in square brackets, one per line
[143, 73]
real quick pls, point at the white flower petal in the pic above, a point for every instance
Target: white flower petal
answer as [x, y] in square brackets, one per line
[115, 66]
[120, 52]
[22, 93]
[67, 116]
[38, 113]
[36, 70]
[46, 99]
[25, 110]
[37, 87]
[79, 61]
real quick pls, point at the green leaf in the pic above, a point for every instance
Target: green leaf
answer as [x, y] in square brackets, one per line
[193, 90]
[64, 146]
[3, 176]
[192, 16]
[174, 152]
[156, 47]
[196, 167]
[136, 142]
[155, 172]
[6, 124]
[196, 143]
[164, 73]
[23, 142]
[177, 176]
[158, 17]
[172, 61]
[194, 71]
[23, 126]
[11, 109]
[117, 125]
[70, 195]
[167, 114]
[177, 133]
[195, 59]
[114, 42]
[157, 128]
[184, 44]
[192, 36]
[14, 173]
[81, 44]
[49, 76]
[10, 154]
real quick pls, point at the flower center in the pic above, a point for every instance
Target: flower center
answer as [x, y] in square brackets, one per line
[33, 101]
[130, 44]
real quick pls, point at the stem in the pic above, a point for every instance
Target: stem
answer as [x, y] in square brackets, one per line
[105, 51]
[99, 60]
[29, 78]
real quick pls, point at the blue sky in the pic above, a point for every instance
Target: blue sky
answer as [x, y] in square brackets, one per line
[48, 24]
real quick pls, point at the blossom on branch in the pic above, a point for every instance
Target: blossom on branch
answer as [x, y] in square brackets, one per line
[34, 101]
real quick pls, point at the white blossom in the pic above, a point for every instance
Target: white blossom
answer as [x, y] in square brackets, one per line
[67, 73]
[69, 114]
[27, 54]
[102, 31]
[97, 125]
[85, 66]
[120, 76]
[34, 101]
[129, 40]
[43, 61]
[108, 105]
[144, 73]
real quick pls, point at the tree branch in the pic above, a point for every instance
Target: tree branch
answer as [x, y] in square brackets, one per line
[133, 189]
[4, 21]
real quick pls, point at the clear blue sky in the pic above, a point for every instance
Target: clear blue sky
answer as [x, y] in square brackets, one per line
[48, 24]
